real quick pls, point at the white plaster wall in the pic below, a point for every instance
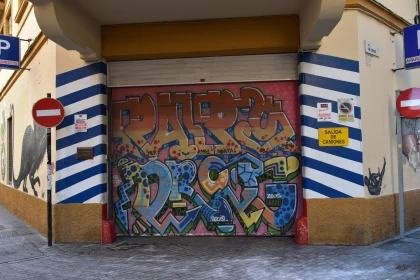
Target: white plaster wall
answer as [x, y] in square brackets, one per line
[29, 30]
[377, 89]
[378, 99]
[26, 90]
[68, 60]
[404, 8]
[31, 86]
[342, 42]
[378, 86]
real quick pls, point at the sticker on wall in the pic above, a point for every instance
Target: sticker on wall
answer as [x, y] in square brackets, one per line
[411, 142]
[80, 123]
[345, 110]
[333, 137]
[324, 112]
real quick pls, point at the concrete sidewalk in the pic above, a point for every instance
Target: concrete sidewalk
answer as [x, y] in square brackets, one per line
[24, 255]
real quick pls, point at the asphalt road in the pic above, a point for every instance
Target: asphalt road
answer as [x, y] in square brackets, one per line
[24, 254]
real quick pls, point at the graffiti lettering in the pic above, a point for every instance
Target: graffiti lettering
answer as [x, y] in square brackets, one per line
[204, 152]
[188, 124]
[218, 219]
[204, 163]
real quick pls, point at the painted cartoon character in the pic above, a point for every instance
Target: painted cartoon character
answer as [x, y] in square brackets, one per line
[34, 147]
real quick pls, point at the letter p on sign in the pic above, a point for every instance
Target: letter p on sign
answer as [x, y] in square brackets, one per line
[4, 45]
[418, 39]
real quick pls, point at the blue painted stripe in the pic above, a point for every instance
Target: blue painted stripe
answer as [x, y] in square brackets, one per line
[334, 170]
[72, 160]
[322, 189]
[354, 133]
[329, 61]
[79, 137]
[91, 112]
[337, 151]
[80, 73]
[82, 94]
[312, 101]
[79, 177]
[331, 84]
[85, 195]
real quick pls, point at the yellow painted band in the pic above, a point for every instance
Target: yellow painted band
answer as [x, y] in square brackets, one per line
[240, 36]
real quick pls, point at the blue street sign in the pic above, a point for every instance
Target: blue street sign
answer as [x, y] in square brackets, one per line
[412, 46]
[9, 52]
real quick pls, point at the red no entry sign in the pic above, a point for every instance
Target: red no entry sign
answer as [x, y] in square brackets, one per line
[48, 112]
[408, 103]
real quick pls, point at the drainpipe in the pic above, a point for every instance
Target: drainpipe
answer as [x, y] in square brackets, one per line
[418, 7]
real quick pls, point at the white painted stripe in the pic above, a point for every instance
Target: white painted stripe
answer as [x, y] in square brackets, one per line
[333, 160]
[308, 194]
[333, 182]
[327, 94]
[100, 198]
[313, 133]
[85, 104]
[83, 165]
[313, 112]
[80, 187]
[329, 72]
[410, 103]
[48, 113]
[69, 130]
[81, 84]
[71, 150]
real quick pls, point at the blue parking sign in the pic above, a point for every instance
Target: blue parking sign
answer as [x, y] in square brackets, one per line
[9, 52]
[412, 46]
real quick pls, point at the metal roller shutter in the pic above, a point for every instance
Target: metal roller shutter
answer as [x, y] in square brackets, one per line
[206, 146]
[203, 70]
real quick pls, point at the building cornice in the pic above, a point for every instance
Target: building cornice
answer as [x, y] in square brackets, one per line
[380, 11]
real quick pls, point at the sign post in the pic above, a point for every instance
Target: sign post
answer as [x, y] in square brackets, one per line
[400, 170]
[48, 112]
[49, 186]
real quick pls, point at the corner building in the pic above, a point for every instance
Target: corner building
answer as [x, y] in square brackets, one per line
[203, 120]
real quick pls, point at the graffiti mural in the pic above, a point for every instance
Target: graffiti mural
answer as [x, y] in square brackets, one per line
[33, 150]
[374, 181]
[411, 142]
[218, 159]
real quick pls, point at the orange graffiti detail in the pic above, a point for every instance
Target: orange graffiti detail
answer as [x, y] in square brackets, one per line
[212, 123]
[267, 214]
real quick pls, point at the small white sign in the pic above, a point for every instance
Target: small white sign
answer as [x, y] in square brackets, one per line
[372, 49]
[80, 123]
[49, 177]
[324, 112]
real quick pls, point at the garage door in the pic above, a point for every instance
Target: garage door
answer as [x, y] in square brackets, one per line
[206, 146]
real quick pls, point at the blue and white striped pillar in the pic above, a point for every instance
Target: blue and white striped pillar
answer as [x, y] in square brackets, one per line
[82, 91]
[330, 172]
